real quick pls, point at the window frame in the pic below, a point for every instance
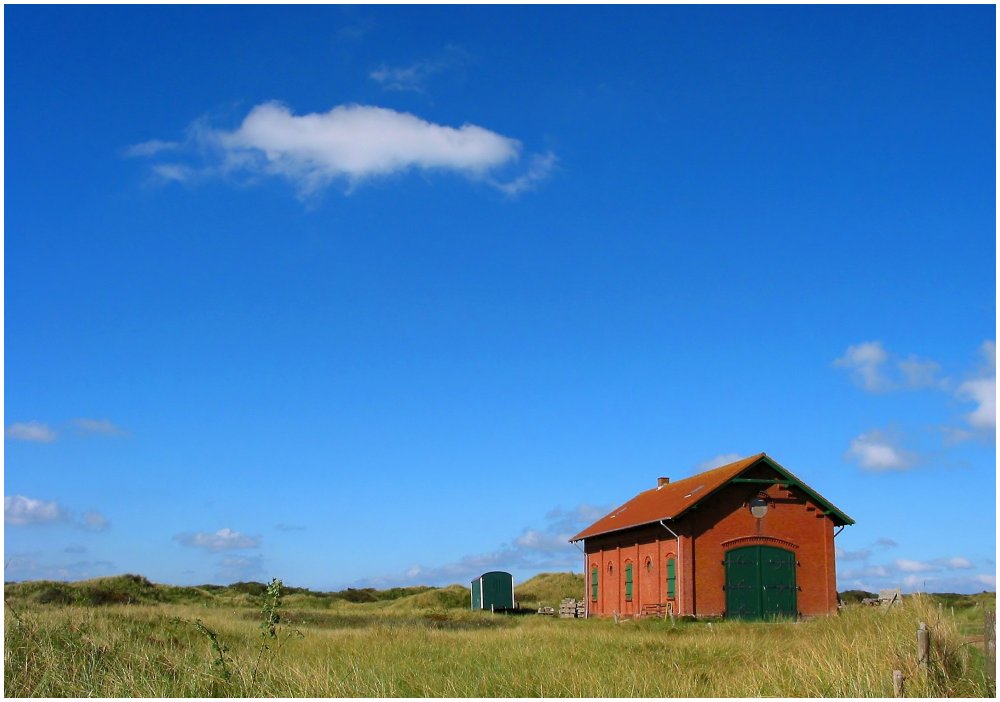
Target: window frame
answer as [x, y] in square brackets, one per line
[628, 581]
[671, 578]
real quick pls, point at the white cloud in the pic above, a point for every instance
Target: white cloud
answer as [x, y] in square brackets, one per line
[532, 551]
[30, 431]
[865, 360]
[236, 568]
[982, 390]
[27, 566]
[406, 78]
[988, 579]
[908, 566]
[957, 563]
[859, 555]
[358, 142]
[872, 368]
[352, 144]
[919, 372]
[876, 452]
[21, 511]
[95, 521]
[223, 540]
[873, 571]
[104, 427]
[150, 148]
[720, 460]
[175, 172]
[414, 77]
[541, 167]
[936, 575]
[885, 542]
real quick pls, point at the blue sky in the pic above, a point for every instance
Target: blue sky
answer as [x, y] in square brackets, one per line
[388, 295]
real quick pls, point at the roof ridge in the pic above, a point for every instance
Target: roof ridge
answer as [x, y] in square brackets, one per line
[672, 499]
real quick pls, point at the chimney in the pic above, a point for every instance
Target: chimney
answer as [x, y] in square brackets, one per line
[660, 482]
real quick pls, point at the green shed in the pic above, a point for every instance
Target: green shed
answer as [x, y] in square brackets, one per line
[493, 591]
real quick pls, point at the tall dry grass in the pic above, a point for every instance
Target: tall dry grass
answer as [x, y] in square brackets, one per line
[357, 650]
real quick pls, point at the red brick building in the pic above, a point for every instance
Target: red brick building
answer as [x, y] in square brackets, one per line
[746, 540]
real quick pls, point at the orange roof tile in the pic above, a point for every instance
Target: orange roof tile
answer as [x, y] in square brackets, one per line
[671, 500]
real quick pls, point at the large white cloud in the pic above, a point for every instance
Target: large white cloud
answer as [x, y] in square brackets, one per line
[358, 141]
[350, 143]
[19, 510]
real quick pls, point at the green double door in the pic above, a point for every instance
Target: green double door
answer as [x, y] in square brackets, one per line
[760, 583]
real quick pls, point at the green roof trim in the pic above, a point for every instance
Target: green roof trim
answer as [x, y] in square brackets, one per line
[839, 518]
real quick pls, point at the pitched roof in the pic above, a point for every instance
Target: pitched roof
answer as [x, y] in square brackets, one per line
[673, 499]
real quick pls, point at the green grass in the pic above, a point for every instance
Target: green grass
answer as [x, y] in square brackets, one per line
[144, 642]
[547, 589]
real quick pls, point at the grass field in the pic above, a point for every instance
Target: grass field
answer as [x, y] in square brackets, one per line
[125, 637]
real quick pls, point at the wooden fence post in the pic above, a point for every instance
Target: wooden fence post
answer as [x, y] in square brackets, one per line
[897, 683]
[923, 646]
[990, 644]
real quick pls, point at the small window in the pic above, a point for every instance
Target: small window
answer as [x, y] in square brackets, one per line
[628, 582]
[671, 579]
[649, 565]
[611, 568]
[593, 583]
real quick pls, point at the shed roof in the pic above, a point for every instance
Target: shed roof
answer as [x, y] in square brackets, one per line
[672, 500]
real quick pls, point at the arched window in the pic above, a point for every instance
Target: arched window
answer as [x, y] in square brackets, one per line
[649, 565]
[593, 582]
[671, 578]
[628, 581]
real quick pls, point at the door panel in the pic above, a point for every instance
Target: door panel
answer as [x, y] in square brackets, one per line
[743, 583]
[760, 583]
[777, 575]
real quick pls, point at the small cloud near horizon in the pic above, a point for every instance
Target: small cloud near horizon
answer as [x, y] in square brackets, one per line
[533, 550]
[240, 568]
[224, 539]
[939, 574]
